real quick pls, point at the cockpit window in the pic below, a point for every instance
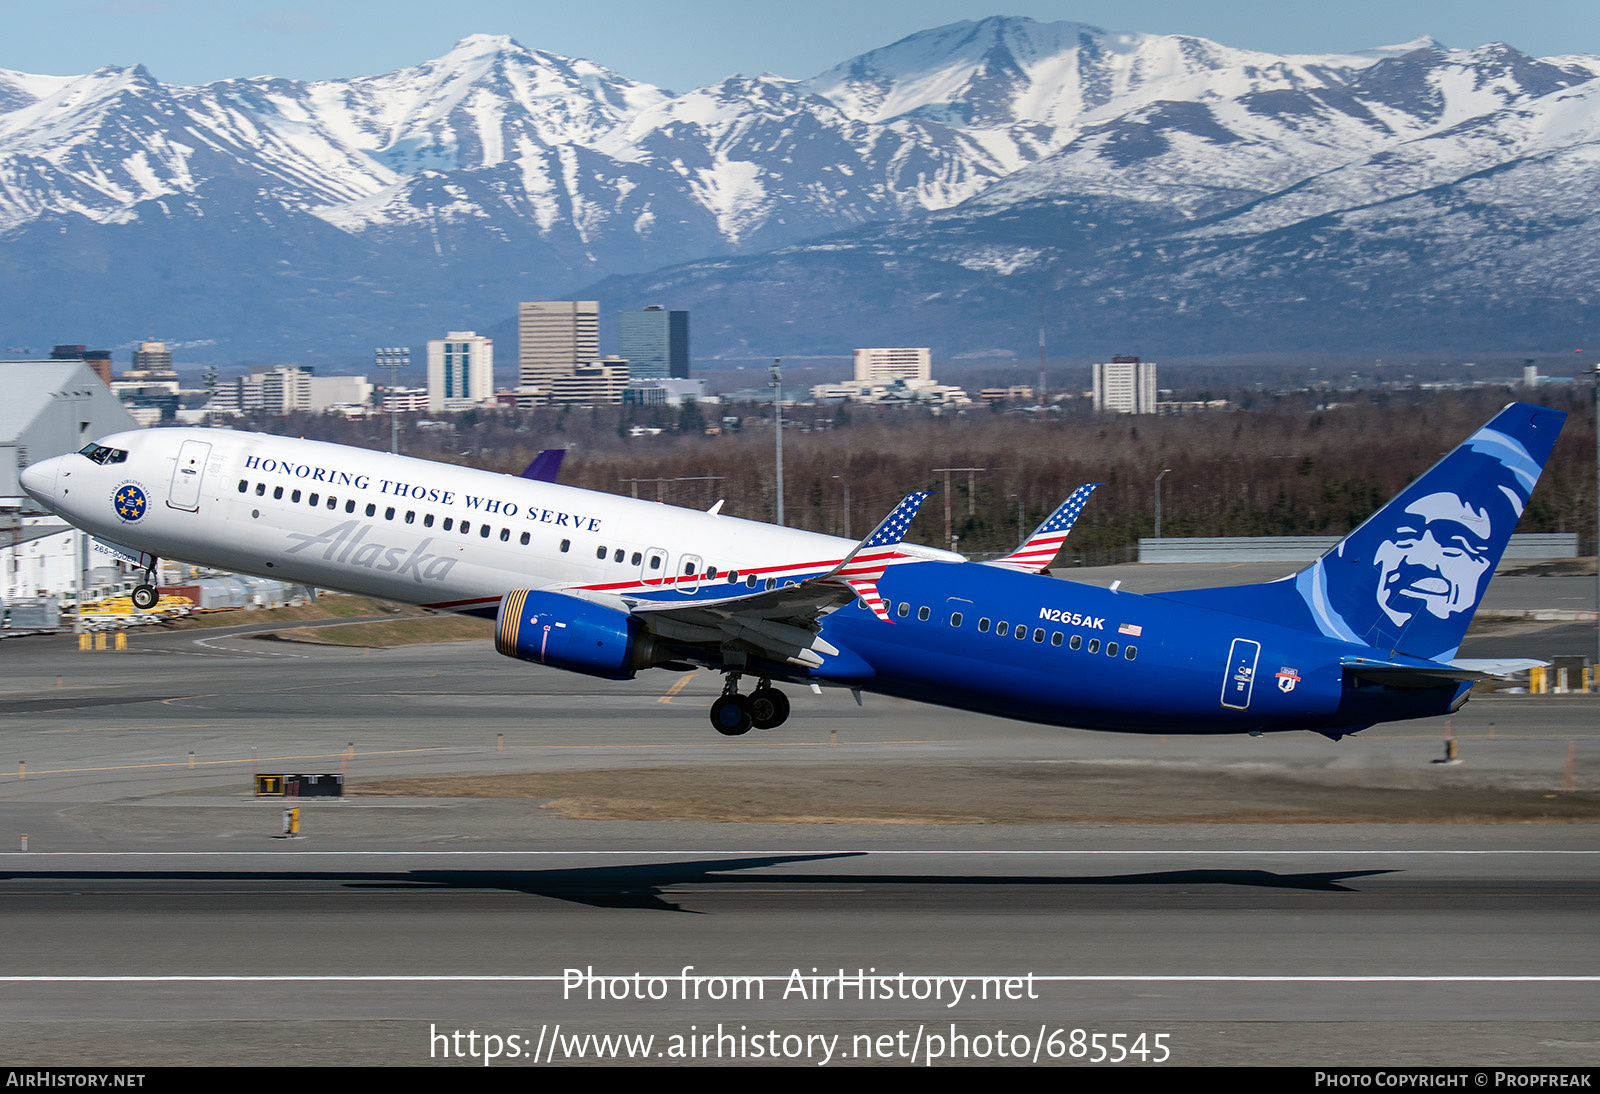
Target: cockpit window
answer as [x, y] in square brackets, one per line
[99, 453]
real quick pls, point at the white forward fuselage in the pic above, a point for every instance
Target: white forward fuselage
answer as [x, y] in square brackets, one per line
[390, 526]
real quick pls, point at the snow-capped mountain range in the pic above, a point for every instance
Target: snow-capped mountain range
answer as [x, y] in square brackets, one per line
[999, 157]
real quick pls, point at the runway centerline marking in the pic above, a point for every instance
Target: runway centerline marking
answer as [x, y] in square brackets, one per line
[677, 686]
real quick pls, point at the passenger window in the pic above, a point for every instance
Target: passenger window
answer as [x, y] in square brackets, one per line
[333, 502]
[751, 581]
[1021, 632]
[313, 500]
[955, 619]
[922, 613]
[372, 510]
[636, 559]
[261, 488]
[655, 562]
[772, 583]
[1094, 645]
[1077, 642]
[688, 569]
[566, 545]
[983, 625]
[411, 516]
[295, 497]
[1111, 649]
[1055, 639]
[904, 610]
[483, 531]
[505, 535]
[388, 514]
[449, 522]
[600, 553]
[277, 495]
[733, 577]
[1038, 634]
[466, 527]
[711, 574]
[1002, 628]
[243, 486]
[619, 556]
[427, 521]
[1131, 652]
[526, 537]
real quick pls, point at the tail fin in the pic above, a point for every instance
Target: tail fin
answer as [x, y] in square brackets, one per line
[545, 465]
[1410, 577]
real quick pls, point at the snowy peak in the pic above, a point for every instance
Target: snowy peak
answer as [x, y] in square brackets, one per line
[553, 171]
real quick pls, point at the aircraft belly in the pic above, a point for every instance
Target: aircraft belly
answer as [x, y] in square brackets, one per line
[1166, 689]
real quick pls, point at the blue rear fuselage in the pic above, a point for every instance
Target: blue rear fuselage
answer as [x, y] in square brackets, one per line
[1064, 653]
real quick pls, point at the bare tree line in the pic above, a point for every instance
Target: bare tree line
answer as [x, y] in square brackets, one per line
[1293, 464]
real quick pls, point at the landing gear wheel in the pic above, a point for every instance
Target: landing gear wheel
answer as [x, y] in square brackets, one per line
[731, 715]
[145, 597]
[769, 708]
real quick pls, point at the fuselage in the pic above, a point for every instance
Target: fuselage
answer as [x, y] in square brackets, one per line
[960, 634]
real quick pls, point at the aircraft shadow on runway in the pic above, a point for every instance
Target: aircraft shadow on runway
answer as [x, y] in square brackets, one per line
[648, 886]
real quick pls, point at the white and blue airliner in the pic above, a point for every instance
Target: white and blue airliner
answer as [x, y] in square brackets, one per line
[609, 586]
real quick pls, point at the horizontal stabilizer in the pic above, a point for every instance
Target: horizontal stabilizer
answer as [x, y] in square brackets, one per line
[1408, 673]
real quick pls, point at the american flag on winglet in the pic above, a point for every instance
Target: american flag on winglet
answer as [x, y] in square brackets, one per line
[862, 571]
[1039, 549]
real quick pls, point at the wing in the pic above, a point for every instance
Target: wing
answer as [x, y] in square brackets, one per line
[1036, 552]
[782, 624]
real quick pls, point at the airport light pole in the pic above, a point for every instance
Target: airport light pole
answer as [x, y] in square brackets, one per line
[777, 407]
[392, 358]
[1158, 501]
[972, 491]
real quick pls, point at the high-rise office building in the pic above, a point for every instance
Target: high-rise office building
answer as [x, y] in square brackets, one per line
[1126, 385]
[887, 364]
[655, 343]
[152, 357]
[460, 370]
[554, 337]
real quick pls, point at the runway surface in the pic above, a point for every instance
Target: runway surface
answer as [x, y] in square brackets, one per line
[157, 918]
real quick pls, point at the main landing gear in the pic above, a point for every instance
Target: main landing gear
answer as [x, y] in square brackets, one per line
[764, 708]
[145, 596]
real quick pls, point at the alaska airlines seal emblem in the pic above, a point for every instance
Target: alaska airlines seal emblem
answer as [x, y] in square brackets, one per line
[129, 502]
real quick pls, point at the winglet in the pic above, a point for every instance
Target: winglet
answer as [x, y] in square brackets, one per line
[1036, 552]
[544, 465]
[864, 565]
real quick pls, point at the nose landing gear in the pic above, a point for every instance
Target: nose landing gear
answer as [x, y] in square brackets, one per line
[734, 714]
[145, 596]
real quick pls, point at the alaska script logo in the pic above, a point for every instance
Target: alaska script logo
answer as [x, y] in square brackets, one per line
[347, 544]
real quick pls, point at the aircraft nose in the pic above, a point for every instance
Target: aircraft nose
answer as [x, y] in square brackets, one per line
[39, 479]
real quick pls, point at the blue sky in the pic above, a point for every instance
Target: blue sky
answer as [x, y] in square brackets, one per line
[682, 44]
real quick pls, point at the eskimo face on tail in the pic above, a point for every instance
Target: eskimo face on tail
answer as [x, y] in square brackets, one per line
[1435, 560]
[1410, 577]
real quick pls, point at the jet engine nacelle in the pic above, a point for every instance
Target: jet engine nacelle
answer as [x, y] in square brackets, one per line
[566, 632]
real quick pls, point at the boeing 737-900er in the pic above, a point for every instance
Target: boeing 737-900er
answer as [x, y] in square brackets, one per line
[607, 585]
